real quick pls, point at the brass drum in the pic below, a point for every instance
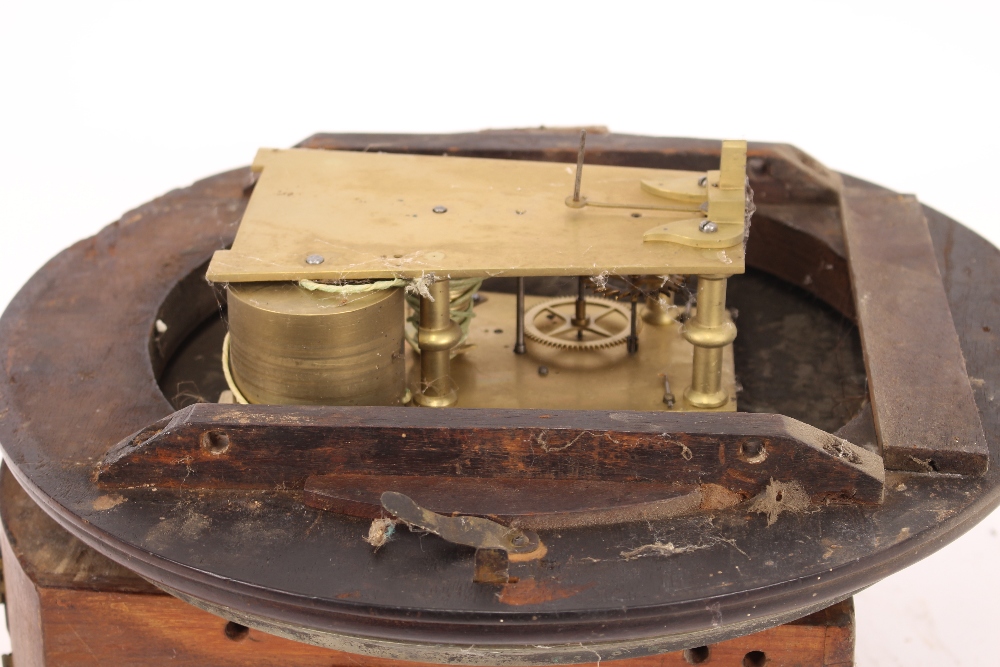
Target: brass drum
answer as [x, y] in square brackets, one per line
[289, 345]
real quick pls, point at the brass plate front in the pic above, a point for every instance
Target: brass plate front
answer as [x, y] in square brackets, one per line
[372, 215]
[490, 375]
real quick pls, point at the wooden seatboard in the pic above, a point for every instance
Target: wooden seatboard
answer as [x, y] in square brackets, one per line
[267, 447]
[925, 413]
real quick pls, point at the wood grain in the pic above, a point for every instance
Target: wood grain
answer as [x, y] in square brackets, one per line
[211, 446]
[925, 413]
[85, 628]
[23, 608]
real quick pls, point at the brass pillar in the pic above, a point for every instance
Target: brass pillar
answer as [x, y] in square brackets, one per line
[710, 330]
[436, 336]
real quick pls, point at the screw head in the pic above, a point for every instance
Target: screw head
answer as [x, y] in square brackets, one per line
[708, 227]
[315, 259]
[543, 370]
[440, 209]
[519, 540]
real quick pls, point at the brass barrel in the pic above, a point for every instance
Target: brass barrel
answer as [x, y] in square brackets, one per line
[289, 345]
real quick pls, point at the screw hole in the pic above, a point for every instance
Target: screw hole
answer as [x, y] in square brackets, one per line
[753, 451]
[214, 442]
[696, 655]
[755, 659]
[237, 632]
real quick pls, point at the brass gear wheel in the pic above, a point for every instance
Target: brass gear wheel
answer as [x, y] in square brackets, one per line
[607, 324]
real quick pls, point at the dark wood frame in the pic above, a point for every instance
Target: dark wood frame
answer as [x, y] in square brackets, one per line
[76, 383]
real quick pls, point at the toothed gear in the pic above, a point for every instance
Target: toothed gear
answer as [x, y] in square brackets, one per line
[597, 334]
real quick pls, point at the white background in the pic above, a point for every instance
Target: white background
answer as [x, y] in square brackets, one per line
[105, 105]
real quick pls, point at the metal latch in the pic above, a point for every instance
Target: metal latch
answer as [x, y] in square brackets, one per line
[494, 542]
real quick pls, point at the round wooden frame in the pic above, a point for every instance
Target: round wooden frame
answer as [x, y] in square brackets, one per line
[82, 356]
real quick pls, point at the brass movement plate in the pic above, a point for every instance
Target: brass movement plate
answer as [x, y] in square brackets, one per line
[490, 375]
[371, 215]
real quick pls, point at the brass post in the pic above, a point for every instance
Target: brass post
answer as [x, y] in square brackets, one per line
[710, 330]
[659, 313]
[436, 336]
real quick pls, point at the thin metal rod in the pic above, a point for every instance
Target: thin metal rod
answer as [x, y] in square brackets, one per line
[579, 166]
[633, 338]
[519, 343]
[580, 320]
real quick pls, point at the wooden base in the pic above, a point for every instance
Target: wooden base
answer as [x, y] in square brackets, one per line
[69, 606]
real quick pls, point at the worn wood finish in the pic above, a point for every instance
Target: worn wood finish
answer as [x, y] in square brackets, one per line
[527, 503]
[104, 629]
[218, 548]
[97, 614]
[925, 414]
[212, 446]
[23, 609]
[803, 245]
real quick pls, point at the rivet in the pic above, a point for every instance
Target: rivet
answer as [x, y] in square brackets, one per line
[440, 209]
[315, 259]
[708, 227]
[543, 370]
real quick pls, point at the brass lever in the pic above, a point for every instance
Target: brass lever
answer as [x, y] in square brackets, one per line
[471, 531]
